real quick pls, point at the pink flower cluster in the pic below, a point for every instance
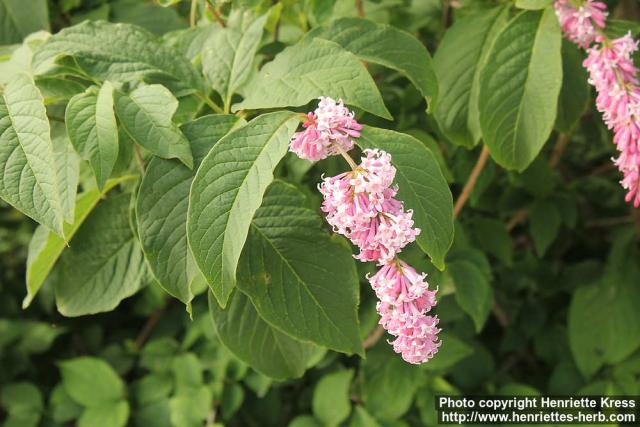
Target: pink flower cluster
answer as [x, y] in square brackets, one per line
[404, 301]
[361, 205]
[329, 129]
[580, 24]
[615, 77]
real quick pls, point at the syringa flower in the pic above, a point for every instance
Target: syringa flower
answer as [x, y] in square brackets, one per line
[361, 205]
[581, 19]
[614, 75]
[328, 129]
[404, 299]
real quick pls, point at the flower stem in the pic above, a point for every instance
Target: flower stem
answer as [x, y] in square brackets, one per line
[347, 157]
[193, 14]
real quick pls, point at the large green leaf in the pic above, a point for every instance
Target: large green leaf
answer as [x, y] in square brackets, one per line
[46, 247]
[146, 116]
[387, 46]
[117, 52]
[226, 192]
[18, 20]
[422, 188]
[29, 179]
[110, 414]
[91, 124]
[299, 279]
[254, 341]
[161, 209]
[310, 69]
[519, 87]
[104, 263]
[227, 59]
[458, 61]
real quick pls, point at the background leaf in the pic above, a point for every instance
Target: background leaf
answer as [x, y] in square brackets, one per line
[18, 21]
[330, 402]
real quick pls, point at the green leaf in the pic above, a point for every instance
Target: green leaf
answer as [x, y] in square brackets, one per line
[519, 89]
[146, 116]
[18, 21]
[389, 384]
[595, 339]
[104, 265]
[452, 350]
[109, 414]
[493, 237]
[190, 409]
[576, 92]
[64, 408]
[458, 61]
[422, 188]
[119, 53]
[227, 59]
[299, 279]
[387, 46]
[331, 404]
[361, 418]
[305, 421]
[619, 27]
[255, 342]
[162, 204]
[46, 247]
[310, 69]
[22, 403]
[226, 192]
[67, 170]
[533, 4]
[149, 16]
[91, 382]
[29, 179]
[473, 291]
[544, 225]
[92, 128]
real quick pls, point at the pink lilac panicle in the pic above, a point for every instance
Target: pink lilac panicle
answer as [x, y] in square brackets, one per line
[361, 205]
[581, 24]
[614, 75]
[328, 129]
[405, 299]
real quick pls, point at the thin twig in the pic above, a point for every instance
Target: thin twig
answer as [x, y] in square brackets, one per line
[558, 150]
[374, 337]
[139, 159]
[151, 323]
[471, 182]
[360, 8]
[193, 14]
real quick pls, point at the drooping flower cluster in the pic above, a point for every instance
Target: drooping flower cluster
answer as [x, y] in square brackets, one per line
[580, 24]
[361, 204]
[404, 300]
[613, 73]
[329, 129]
